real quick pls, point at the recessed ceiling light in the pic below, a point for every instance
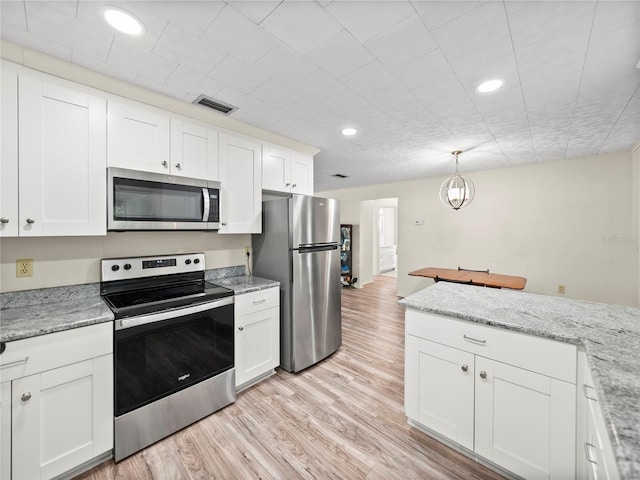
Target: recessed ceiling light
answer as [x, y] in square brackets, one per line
[349, 132]
[123, 21]
[489, 86]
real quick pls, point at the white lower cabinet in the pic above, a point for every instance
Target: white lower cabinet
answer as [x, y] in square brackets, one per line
[520, 420]
[595, 452]
[59, 418]
[5, 430]
[257, 335]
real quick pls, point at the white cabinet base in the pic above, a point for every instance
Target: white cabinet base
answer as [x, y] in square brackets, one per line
[460, 449]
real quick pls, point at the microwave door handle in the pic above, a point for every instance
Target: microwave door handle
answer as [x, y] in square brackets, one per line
[207, 204]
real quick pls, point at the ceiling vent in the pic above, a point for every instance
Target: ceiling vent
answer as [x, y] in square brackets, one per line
[214, 104]
[339, 175]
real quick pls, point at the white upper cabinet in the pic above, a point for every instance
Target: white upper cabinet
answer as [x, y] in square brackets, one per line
[194, 150]
[276, 170]
[241, 179]
[151, 140]
[9, 152]
[138, 138]
[286, 171]
[62, 159]
[301, 173]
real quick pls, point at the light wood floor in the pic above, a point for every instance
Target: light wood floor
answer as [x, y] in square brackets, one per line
[341, 419]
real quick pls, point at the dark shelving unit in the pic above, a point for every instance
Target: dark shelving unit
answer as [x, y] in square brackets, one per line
[346, 268]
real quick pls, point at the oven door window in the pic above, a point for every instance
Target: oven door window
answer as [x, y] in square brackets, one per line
[145, 201]
[161, 358]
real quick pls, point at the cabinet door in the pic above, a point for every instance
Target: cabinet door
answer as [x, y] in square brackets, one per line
[62, 418]
[241, 190]
[138, 138]
[9, 152]
[194, 150]
[301, 173]
[62, 174]
[5, 430]
[257, 344]
[524, 421]
[276, 167]
[439, 389]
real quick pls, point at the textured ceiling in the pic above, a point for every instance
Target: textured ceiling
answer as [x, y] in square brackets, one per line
[402, 72]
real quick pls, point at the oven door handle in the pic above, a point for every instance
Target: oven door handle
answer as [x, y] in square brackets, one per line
[169, 314]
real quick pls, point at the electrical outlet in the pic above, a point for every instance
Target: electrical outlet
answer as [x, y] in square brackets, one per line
[247, 251]
[562, 289]
[24, 267]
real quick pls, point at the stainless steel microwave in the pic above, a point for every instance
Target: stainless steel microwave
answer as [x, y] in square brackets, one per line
[152, 201]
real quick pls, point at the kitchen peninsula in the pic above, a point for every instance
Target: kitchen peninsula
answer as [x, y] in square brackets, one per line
[524, 337]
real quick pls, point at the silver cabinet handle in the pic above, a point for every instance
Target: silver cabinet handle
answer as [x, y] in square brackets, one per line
[587, 453]
[24, 360]
[25, 396]
[224, 224]
[483, 374]
[30, 221]
[4, 220]
[465, 368]
[164, 163]
[294, 185]
[258, 302]
[178, 166]
[586, 392]
[471, 339]
[241, 328]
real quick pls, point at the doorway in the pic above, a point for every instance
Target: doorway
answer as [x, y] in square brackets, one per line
[377, 234]
[387, 240]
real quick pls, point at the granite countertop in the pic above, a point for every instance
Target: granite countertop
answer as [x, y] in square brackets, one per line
[244, 283]
[609, 333]
[31, 313]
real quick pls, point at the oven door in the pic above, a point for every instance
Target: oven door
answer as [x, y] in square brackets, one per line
[157, 355]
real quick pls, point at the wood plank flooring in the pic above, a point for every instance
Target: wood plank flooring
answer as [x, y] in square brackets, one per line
[340, 419]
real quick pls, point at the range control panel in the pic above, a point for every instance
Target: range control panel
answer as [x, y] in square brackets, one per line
[140, 267]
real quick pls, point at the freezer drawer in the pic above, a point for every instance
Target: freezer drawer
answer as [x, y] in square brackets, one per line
[315, 323]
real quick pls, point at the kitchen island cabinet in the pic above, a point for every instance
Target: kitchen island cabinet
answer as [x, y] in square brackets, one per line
[57, 391]
[605, 334]
[486, 391]
[59, 186]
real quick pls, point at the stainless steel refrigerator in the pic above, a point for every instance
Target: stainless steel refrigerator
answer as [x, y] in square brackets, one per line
[299, 248]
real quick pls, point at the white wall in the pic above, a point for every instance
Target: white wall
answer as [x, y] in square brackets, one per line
[75, 260]
[636, 218]
[569, 222]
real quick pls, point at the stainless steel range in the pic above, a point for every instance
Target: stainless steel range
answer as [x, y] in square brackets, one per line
[173, 346]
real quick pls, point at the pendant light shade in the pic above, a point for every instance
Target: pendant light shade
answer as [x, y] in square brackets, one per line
[457, 191]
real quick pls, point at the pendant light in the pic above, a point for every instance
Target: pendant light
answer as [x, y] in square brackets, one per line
[456, 191]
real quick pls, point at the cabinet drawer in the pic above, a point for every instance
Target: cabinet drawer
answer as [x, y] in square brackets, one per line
[45, 352]
[257, 301]
[545, 356]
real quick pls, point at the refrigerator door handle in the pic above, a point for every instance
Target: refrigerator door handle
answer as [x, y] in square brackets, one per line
[316, 248]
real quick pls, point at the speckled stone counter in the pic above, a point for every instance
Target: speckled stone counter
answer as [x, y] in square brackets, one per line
[609, 333]
[30, 313]
[244, 283]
